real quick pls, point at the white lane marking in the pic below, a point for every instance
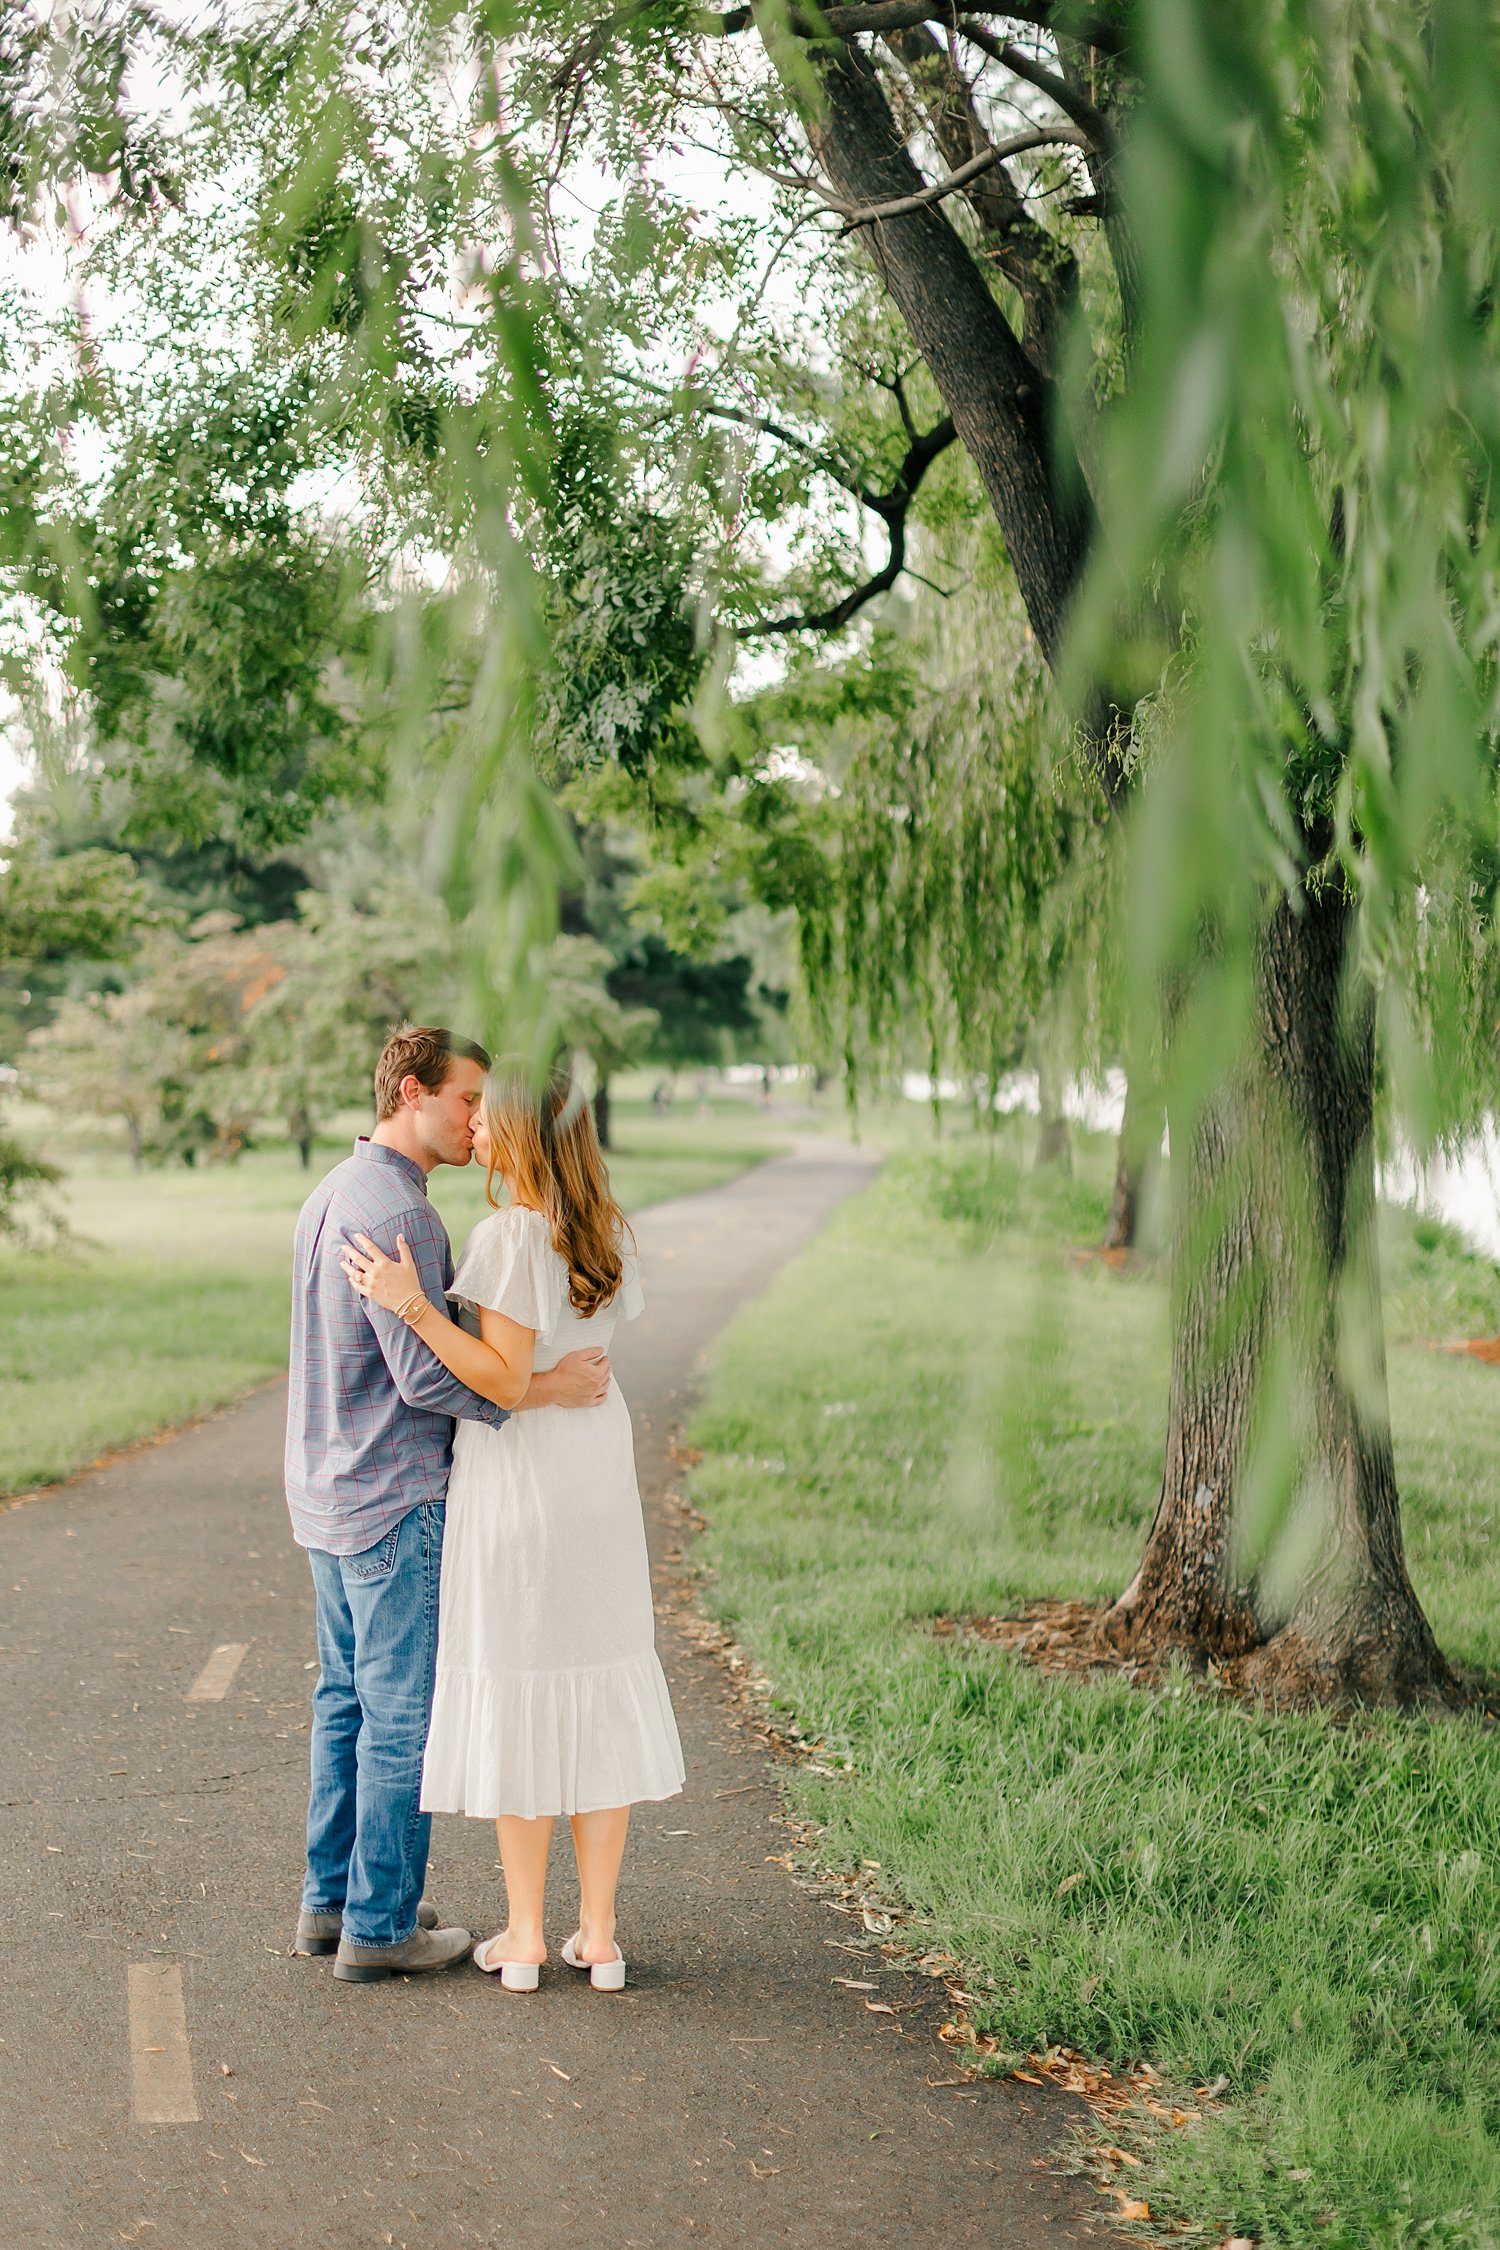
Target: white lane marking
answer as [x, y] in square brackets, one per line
[161, 2061]
[214, 1681]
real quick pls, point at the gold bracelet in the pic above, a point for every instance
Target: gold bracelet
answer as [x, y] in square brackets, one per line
[416, 1304]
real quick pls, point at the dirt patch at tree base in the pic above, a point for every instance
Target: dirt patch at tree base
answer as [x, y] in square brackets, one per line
[1071, 1640]
[1485, 1348]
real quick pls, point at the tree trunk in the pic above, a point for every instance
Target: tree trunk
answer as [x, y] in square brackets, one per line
[1041, 269]
[300, 1134]
[601, 1113]
[135, 1135]
[1003, 409]
[1135, 1160]
[1277, 1538]
[1274, 1243]
[1053, 1144]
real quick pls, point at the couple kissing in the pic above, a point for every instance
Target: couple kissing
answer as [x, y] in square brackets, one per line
[460, 1470]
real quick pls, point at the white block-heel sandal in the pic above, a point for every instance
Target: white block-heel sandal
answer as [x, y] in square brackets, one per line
[604, 1976]
[515, 1976]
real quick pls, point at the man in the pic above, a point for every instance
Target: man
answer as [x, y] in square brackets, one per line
[369, 1442]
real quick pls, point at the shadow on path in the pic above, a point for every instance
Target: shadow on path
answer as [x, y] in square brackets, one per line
[734, 2093]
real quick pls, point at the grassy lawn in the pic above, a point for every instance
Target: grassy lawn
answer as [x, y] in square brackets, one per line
[935, 1411]
[174, 1297]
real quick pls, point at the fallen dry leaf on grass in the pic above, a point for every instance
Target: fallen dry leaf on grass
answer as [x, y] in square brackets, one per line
[1130, 2206]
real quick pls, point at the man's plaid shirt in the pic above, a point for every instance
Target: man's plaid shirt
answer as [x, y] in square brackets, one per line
[369, 1427]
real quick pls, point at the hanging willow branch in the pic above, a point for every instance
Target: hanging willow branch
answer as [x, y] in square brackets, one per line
[949, 913]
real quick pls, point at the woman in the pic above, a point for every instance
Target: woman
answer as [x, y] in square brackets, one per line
[550, 1698]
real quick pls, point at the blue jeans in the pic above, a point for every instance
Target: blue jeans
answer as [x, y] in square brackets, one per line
[367, 1835]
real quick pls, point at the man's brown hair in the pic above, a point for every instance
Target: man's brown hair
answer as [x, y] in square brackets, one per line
[422, 1051]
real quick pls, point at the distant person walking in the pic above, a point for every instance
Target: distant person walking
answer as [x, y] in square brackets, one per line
[550, 1697]
[370, 1420]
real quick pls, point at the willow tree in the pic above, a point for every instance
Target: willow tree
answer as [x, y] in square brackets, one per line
[1305, 466]
[908, 805]
[1292, 217]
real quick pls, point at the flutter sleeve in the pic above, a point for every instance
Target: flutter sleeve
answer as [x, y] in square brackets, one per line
[631, 1301]
[509, 1266]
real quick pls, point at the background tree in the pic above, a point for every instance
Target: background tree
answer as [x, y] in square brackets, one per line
[654, 1002]
[703, 1009]
[338, 979]
[591, 1025]
[163, 1054]
[203, 625]
[89, 903]
[944, 875]
[86, 905]
[114, 1056]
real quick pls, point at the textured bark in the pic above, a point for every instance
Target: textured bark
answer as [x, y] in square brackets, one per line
[1275, 1241]
[1124, 1206]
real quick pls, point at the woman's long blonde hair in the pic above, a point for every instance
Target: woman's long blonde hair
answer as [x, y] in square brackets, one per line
[547, 1150]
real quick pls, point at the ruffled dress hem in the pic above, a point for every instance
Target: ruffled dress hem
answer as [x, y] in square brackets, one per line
[530, 1745]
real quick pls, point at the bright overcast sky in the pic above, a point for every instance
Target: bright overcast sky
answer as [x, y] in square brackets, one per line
[12, 774]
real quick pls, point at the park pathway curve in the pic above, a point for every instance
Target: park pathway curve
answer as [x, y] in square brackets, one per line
[171, 2077]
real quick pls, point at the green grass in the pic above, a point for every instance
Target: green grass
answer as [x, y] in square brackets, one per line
[174, 1296]
[935, 1411]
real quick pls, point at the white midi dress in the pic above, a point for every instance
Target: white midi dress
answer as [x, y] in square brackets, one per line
[550, 1697]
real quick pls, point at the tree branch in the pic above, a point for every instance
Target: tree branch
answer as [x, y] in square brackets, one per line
[1044, 136]
[886, 16]
[1039, 267]
[1015, 59]
[1005, 409]
[743, 419]
[893, 508]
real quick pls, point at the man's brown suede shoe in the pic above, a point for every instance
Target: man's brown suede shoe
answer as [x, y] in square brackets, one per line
[423, 1950]
[320, 1933]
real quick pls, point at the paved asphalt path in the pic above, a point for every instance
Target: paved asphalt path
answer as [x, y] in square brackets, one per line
[735, 2093]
